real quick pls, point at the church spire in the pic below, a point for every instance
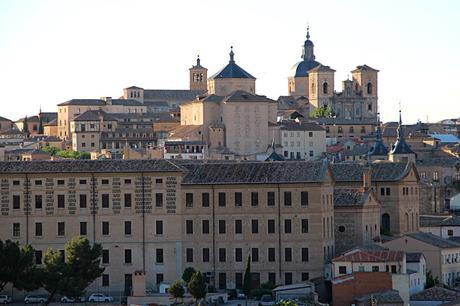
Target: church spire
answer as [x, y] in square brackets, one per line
[232, 60]
[198, 60]
[400, 128]
[308, 48]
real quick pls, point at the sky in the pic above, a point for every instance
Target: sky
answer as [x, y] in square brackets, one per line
[52, 51]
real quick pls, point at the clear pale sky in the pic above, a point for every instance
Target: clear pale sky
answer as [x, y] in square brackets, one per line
[53, 51]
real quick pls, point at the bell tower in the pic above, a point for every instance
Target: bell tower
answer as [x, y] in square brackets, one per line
[198, 76]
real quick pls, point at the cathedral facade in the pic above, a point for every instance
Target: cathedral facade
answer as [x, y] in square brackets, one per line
[309, 79]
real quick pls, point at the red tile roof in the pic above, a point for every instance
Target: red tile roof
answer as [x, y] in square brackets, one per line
[371, 256]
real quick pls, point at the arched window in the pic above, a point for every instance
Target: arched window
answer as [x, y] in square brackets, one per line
[325, 87]
[313, 87]
[369, 88]
[407, 222]
[385, 226]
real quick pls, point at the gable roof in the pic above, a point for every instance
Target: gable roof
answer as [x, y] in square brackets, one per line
[381, 171]
[4, 119]
[413, 256]
[257, 173]
[100, 102]
[439, 220]
[436, 294]
[300, 126]
[179, 95]
[364, 68]
[370, 256]
[350, 197]
[95, 115]
[433, 240]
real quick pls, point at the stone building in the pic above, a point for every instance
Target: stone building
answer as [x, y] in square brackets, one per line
[302, 140]
[5, 124]
[315, 81]
[160, 217]
[396, 186]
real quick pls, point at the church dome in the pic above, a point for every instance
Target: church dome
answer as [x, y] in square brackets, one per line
[232, 71]
[301, 68]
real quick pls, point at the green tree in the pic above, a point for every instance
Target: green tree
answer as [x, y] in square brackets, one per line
[197, 286]
[430, 280]
[187, 275]
[70, 276]
[17, 266]
[323, 112]
[176, 290]
[247, 286]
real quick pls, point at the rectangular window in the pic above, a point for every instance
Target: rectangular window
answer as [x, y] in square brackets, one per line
[375, 268]
[254, 198]
[105, 256]
[305, 276]
[238, 254]
[159, 256]
[82, 182]
[159, 227]
[189, 254]
[105, 182]
[205, 199]
[287, 254]
[239, 280]
[238, 199]
[128, 200]
[272, 277]
[382, 191]
[255, 226]
[158, 199]
[342, 270]
[205, 255]
[16, 183]
[61, 200]
[60, 182]
[304, 226]
[270, 198]
[16, 229]
[105, 280]
[127, 181]
[287, 226]
[105, 200]
[255, 255]
[304, 198]
[287, 198]
[288, 278]
[38, 229]
[189, 226]
[127, 227]
[105, 228]
[305, 254]
[38, 257]
[83, 201]
[222, 280]
[16, 201]
[388, 191]
[450, 232]
[205, 226]
[160, 278]
[222, 201]
[238, 226]
[189, 199]
[83, 229]
[61, 229]
[271, 254]
[271, 226]
[393, 269]
[222, 255]
[38, 201]
[128, 256]
[158, 181]
[222, 227]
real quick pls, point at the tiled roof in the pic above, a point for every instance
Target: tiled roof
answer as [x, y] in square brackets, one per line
[449, 162]
[127, 102]
[4, 119]
[300, 126]
[172, 94]
[349, 197]
[439, 220]
[257, 172]
[95, 115]
[183, 131]
[413, 256]
[361, 150]
[434, 240]
[340, 121]
[389, 296]
[364, 68]
[88, 166]
[436, 294]
[51, 123]
[321, 68]
[381, 171]
[370, 256]
[233, 71]
[236, 96]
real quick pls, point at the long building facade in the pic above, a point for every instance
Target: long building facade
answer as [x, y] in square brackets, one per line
[161, 217]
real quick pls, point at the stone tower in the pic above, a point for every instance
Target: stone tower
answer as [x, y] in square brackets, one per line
[321, 85]
[365, 82]
[198, 76]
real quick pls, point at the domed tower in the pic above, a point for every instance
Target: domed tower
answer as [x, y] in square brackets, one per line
[198, 76]
[298, 80]
[231, 78]
[401, 151]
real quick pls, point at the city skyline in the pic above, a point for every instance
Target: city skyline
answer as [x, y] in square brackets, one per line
[94, 49]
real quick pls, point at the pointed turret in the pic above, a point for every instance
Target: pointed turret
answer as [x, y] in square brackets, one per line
[401, 150]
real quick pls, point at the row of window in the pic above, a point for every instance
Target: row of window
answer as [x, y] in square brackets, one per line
[222, 226]
[61, 182]
[291, 134]
[83, 200]
[105, 228]
[238, 199]
[351, 129]
[238, 255]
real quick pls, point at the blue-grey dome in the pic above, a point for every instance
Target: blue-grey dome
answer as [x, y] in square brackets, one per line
[301, 68]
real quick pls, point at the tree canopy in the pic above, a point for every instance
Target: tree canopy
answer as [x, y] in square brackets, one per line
[197, 286]
[247, 286]
[323, 112]
[187, 275]
[176, 290]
